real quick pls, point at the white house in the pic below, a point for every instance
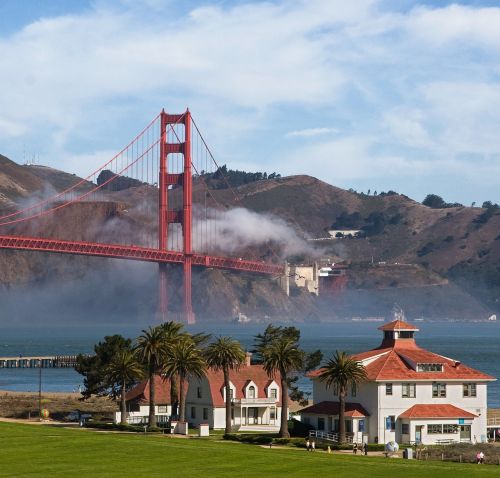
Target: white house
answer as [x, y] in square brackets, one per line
[138, 402]
[411, 395]
[255, 398]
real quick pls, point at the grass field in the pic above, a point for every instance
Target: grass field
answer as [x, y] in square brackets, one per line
[44, 451]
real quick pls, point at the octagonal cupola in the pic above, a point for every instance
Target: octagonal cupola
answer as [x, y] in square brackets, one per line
[398, 334]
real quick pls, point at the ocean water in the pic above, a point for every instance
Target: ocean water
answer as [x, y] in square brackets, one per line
[474, 344]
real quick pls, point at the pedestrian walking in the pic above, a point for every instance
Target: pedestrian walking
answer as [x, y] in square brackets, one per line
[481, 457]
[355, 448]
[365, 448]
[313, 446]
[308, 445]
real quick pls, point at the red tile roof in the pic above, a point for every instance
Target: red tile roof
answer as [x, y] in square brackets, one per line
[436, 411]
[395, 358]
[398, 325]
[332, 408]
[240, 379]
[141, 391]
[393, 366]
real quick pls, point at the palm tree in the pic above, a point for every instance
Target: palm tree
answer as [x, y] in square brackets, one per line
[172, 331]
[342, 371]
[283, 357]
[123, 369]
[184, 359]
[225, 354]
[151, 350]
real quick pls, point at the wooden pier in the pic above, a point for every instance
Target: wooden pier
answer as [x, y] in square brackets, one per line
[56, 361]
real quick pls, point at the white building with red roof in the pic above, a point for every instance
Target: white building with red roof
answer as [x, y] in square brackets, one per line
[138, 402]
[255, 398]
[411, 395]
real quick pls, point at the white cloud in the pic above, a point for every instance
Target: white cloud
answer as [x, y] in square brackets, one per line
[310, 132]
[408, 89]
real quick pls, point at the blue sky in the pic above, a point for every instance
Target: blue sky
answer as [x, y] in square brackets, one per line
[365, 94]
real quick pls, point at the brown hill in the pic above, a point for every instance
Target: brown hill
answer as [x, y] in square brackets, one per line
[428, 260]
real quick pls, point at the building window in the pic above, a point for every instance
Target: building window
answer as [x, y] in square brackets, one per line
[361, 425]
[348, 426]
[448, 428]
[198, 392]
[439, 390]
[390, 423]
[470, 390]
[353, 389]
[406, 334]
[408, 390]
[193, 412]
[162, 409]
[388, 388]
[429, 367]
[231, 393]
[205, 414]
[251, 391]
[405, 428]
[272, 415]
[434, 429]
[321, 423]
[273, 393]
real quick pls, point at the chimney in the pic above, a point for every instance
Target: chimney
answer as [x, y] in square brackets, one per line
[248, 359]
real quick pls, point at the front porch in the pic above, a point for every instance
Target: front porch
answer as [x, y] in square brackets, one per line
[252, 414]
[324, 417]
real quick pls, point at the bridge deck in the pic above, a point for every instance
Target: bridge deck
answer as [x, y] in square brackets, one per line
[135, 253]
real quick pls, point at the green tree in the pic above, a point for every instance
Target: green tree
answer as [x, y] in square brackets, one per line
[172, 331]
[341, 371]
[225, 354]
[311, 360]
[279, 350]
[151, 348]
[185, 360]
[434, 201]
[96, 380]
[124, 368]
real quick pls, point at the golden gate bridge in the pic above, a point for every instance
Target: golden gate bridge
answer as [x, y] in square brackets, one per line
[163, 155]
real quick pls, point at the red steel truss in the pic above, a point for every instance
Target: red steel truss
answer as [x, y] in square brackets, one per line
[136, 253]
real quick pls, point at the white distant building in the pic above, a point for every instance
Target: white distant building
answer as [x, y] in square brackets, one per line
[411, 396]
[341, 233]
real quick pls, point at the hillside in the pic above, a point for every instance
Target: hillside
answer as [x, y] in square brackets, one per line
[434, 262]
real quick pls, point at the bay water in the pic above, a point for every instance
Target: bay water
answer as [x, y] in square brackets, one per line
[474, 344]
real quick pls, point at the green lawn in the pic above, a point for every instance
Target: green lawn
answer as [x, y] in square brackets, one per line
[44, 451]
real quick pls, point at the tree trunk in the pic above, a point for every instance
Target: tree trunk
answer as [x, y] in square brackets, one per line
[123, 405]
[228, 400]
[174, 394]
[342, 415]
[284, 407]
[182, 407]
[152, 414]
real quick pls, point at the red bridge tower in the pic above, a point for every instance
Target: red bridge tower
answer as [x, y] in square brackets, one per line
[169, 216]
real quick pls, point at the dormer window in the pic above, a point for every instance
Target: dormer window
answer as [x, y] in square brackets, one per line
[429, 367]
[251, 391]
[273, 393]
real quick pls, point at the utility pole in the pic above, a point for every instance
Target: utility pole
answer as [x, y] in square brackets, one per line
[40, 389]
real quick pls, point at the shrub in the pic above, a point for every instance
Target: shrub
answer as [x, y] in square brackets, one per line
[297, 428]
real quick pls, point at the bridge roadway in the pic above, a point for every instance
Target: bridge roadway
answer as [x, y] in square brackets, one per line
[136, 253]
